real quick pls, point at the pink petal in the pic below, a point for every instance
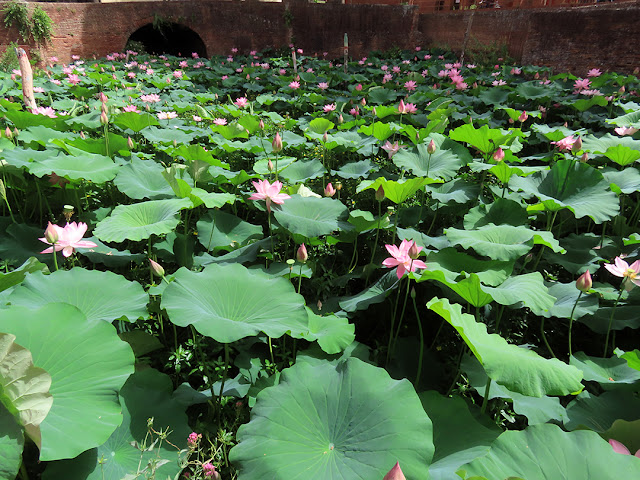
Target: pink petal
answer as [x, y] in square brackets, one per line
[401, 269]
[614, 269]
[257, 196]
[67, 251]
[635, 266]
[393, 250]
[390, 262]
[418, 264]
[85, 244]
[621, 264]
[619, 447]
[47, 250]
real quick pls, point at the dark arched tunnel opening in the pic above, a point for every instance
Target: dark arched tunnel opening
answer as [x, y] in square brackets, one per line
[169, 39]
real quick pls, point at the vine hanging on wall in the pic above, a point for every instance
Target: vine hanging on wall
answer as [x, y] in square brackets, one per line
[39, 27]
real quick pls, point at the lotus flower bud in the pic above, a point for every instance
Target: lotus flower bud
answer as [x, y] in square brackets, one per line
[261, 125]
[129, 143]
[475, 85]
[103, 97]
[156, 268]
[510, 121]
[536, 76]
[82, 135]
[374, 111]
[577, 145]
[103, 118]
[51, 234]
[431, 148]
[523, 117]
[498, 155]
[359, 87]
[380, 194]
[363, 102]
[301, 254]
[584, 283]
[584, 158]
[319, 305]
[395, 473]
[622, 90]
[413, 293]
[414, 250]
[270, 165]
[401, 107]
[340, 119]
[325, 137]
[8, 133]
[329, 191]
[277, 143]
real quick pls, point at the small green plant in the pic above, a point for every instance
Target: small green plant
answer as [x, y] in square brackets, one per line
[8, 59]
[39, 26]
[17, 13]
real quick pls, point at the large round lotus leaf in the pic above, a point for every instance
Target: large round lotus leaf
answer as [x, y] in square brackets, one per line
[334, 421]
[332, 333]
[24, 388]
[520, 370]
[598, 413]
[578, 187]
[147, 394]
[88, 365]
[141, 220]
[441, 164]
[94, 168]
[11, 443]
[545, 452]
[99, 295]
[312, 217]
[610, 373]
[499, 242]
[230, 302]
[218, 230]
[142, 179]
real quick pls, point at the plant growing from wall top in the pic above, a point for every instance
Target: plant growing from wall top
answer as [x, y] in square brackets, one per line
[39, 26]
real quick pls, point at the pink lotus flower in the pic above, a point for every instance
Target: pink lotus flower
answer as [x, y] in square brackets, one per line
[294, 85]
[329, 107]
[406, 108]
[269, 193]
[400, 258]
[69, 238]
[410, 85]
[565, 144]
[391, 148]
[167, 115]
[329, 191]
[47, 111]
[622, 131]
[582, 84]
[241, 102]
[395, 473]
[619, 447]
[594, 72]
[151, 98]
[323, 85]
[219, 121]
[131, 108]
[622, 269]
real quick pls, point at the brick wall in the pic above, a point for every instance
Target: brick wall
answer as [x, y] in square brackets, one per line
[567, 38]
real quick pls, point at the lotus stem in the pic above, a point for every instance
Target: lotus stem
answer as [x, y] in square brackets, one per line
[300, 279]
[544, 338]
[404, 307]
[393, 324]
[421, 350]
[571, 321]
[613, 311]
[485, 398]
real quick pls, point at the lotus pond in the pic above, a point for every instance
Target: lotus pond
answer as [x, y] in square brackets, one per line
[262, 266]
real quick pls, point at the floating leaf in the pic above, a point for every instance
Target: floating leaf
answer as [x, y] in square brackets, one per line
[218, 230]
[332, 333]
[312, 217]
[598, 413]
[499, 242]
[135, 121]
[608, 372]
[143, 179]
[351, 421]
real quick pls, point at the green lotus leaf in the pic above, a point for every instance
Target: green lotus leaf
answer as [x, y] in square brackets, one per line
[501, 211]
[135, 121]
[468, 288]
[230, 302]
[566, 295]
[94, 168]
[320, 125]
[359, 169]
[140, 179]
[624, 316]
[351, 422]
[584, 104]
[443, 163]
[622, 155]
[632, 358]
[546, 452]
[485, 139]
[528, 290]
[625, 432]
[379, 130]
[24, 388]
[499, 242]
[98, 295]
[610, 373]
[607, 141]
[141, 220]
[111, 257]
[371, 295]
[631, 119]
[312, 217]
[218, 230]
[453, 263]
[458, 190]
[332, 333]
[88, 365]
[16, 276]
[520, 370]
[536, 409]
[598, 413]
[622, 181]
[303, 170]
[147, 394]
[167, 135]
[532, 90]
[196, 153]
[458, 435]
[397, 192]
[11, 444]
[576, 186]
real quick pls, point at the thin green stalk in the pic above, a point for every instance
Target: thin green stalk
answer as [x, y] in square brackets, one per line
[273, 362]
[393, 324]
[225, 372]
[375, 243]
[203, 362]
[55, 257]
[613, 311]
[571, 321]
[421, 350]
[499, 319]
[544, 338]
[404, 306]
[299, 279]
[395, 224]
[458, 361]
[485, 399]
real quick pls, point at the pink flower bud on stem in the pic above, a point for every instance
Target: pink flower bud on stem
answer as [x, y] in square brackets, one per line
[380, 194]
[431, 148]
[302, 254]
[498, 155]
[277, 143]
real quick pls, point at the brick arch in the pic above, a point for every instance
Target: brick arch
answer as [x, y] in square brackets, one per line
[179, 39]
